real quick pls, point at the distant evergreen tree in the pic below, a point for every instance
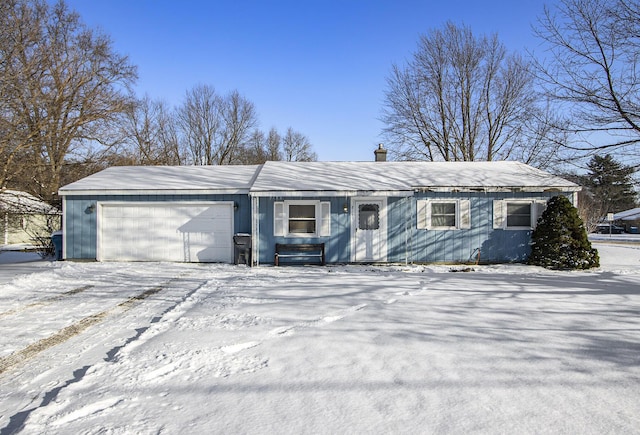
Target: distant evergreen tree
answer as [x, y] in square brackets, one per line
[560, 239]
[610, 184]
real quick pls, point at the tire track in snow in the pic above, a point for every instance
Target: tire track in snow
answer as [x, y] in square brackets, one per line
[17, 421]
[112, 355]
[76, 328]
[46, 301]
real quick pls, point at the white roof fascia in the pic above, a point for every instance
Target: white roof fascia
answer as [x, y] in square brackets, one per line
[498, 189]
[631, 214]
[188, 192]
[330, 193]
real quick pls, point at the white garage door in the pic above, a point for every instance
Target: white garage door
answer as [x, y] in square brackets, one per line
[187, 232]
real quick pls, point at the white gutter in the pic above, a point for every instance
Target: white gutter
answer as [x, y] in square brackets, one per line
[406, 193]
[329, 193]
[120, 192]
[492, 189]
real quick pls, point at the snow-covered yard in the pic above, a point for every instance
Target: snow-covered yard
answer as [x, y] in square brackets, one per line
[183, 348]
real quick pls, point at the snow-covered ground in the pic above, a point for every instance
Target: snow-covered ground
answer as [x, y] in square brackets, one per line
[182, 348]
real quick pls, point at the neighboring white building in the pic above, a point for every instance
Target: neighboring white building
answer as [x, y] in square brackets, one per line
[25, 218]
[630, 219]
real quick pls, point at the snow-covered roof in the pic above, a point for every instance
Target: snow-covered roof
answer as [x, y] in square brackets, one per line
[628, 215]
[321, 178]
[397, 177]
[132, 180]
[16, 201]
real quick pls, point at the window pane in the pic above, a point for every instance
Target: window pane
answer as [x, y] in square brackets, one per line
[518, 215]
[443, 208]
[302, 218]
[368, 217]
[443, 214]
[521, 209]
[443, 221]
[302, 226]
[307, 211]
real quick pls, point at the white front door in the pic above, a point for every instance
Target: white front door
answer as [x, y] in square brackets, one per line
[369, 229]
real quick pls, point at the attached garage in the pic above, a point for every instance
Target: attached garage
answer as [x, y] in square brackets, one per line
[157, 213]
[195, 232]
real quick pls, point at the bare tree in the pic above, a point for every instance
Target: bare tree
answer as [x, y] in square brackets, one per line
[254, 150]
[149, 130]
[239, 118]
[259, 148]
[591, 68]
[297, 147]
[62, 84]
[463, 97]
[200, 123]
[168, 135]
[18, 128]
[215, 127]
[274, 144]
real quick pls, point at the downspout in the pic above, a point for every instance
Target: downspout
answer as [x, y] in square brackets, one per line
[255, 230]
[255, 220]
[64, 228]
[6, 228]
[407, 224]
[413, 207]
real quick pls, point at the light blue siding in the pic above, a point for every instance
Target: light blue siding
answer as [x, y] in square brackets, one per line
[405, 242]
[401, 223]
[463, 245]
[80, 220]
[337, 246]
[408, 244]
[80, 228]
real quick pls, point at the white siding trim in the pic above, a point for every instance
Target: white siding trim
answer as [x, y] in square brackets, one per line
[325, 219]
[279, 219]
[500, 212]
[64, 229]
[539, 207]
[499, 215]
[463, 214]
[255, 231]
[421, 212]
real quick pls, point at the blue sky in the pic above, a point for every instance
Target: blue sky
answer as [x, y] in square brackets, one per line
[317, 66]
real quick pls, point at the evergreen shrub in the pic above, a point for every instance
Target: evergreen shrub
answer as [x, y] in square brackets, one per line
[560, 239]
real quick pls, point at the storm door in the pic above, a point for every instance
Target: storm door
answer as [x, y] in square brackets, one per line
[369, 230]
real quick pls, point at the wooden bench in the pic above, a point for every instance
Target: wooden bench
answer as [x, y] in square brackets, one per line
[299, 250]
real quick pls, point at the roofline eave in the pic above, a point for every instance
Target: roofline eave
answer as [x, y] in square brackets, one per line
[134, 192]
[327, 193]
[497, 189]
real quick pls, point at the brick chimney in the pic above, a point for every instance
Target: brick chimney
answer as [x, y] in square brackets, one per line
[381, 154]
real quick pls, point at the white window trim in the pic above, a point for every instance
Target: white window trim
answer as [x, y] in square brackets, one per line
[500, 214]
[322, 218]
[462, 214]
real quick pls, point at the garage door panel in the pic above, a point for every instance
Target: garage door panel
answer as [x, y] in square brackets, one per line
[208, 255]
[166, 232]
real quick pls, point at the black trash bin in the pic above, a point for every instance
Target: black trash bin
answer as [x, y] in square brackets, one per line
[56, 239]
[242, 249]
